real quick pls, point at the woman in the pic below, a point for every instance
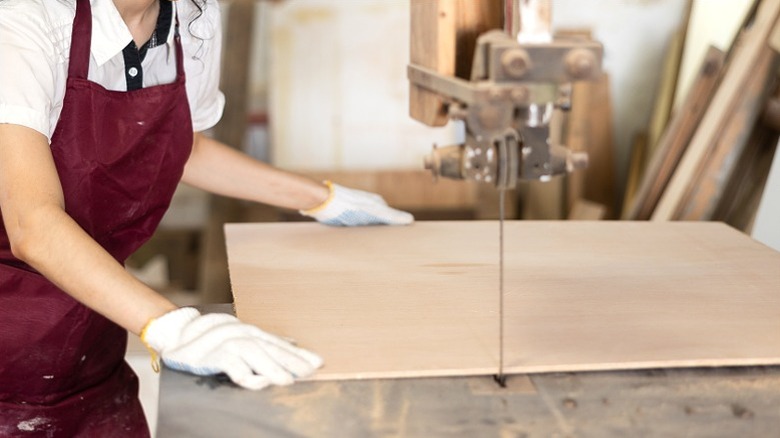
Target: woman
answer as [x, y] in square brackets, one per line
[97, 127]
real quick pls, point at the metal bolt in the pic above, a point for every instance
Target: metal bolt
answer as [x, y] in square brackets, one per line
[515, 62]
[580, 63]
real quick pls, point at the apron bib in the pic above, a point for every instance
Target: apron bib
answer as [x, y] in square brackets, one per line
[119, 156]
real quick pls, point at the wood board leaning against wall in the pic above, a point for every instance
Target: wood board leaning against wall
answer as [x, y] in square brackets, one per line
[711, 162]
[423, 300]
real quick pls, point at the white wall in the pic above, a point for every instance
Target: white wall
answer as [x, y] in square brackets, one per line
[767, 226]
[339, 94]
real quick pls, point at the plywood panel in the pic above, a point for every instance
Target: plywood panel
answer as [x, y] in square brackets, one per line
[374, 302]
[596, 296]
[422, 300]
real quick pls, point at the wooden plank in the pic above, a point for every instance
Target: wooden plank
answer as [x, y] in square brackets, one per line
[710, 24]
[473, 19]
[739, 203]
[676, 137]
[292, 279]
[739, 73]
[443, 38]
[636, 164]
[609, 295]
[422, 300]
[708, 185]
[590, 129]
[662, 109]
[433, 46]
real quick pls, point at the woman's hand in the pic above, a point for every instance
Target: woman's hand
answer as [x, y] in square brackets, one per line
[349, 207]
[220, 343]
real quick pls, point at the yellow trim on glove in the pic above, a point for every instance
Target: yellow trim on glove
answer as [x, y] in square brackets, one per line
[155, 358]
[331, 193]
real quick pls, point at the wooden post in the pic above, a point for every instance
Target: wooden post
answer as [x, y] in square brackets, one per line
[214, 279]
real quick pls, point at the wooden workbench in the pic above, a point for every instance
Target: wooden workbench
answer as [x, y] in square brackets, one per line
[692, 402]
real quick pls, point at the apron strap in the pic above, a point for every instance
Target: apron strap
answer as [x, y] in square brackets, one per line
[81, 41]
[179, 50]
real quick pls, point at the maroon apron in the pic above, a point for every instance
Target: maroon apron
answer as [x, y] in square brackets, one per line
[119, 156]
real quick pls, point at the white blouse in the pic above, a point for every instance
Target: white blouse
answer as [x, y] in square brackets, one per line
[35, 40]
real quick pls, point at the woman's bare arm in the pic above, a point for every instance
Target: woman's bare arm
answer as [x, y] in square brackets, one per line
[220, 169]
[44, 236]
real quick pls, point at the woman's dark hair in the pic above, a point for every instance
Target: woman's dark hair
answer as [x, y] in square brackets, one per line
[200, 4]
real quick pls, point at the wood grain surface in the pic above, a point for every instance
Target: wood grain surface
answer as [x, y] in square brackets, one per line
[589, 129]
[676, 137]
[443, 38]
[423, 300]
[711, 179]
[740, 71]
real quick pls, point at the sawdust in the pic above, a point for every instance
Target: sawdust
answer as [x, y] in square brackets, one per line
[321, 390]
[378, 407]
[382, 418]
[33, 424]
[300, 395]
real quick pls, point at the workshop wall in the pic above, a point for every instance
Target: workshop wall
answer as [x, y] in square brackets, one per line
[338, 91]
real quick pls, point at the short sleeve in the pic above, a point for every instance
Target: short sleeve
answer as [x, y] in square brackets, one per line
[201, 33]
[28, 61]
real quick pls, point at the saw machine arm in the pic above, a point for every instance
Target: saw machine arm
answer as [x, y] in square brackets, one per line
[518, 80]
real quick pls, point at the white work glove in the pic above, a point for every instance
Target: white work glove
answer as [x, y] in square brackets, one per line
[349, 207]
[220, 343]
